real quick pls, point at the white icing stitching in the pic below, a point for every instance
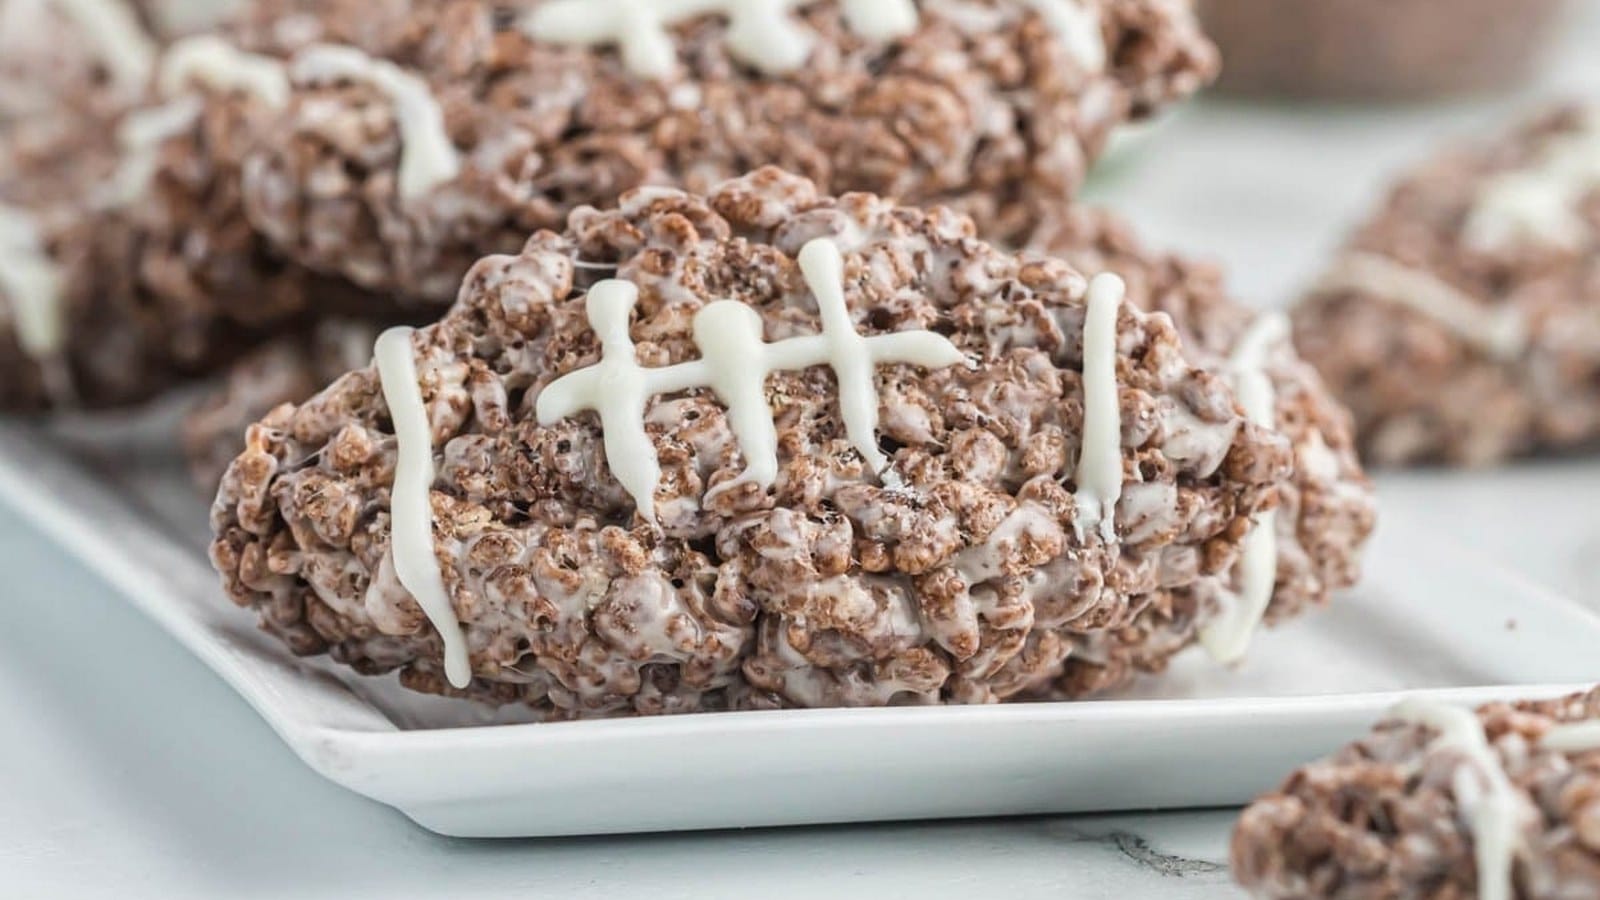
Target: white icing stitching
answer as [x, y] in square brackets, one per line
[1540, 203]
[1573, 737]
[1488, 803]
[1227, 636]
[216, 64]
[126, 50]
[33, 282]
[1499, 331]
[734, 363]
[1077, 24]
[1099, 471]
[427, 156]
[410, 507]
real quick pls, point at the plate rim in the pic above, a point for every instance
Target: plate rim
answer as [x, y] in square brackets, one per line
[338, 753]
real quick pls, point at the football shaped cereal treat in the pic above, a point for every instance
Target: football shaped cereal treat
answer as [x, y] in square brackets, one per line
[761, 449]
[1460, 324]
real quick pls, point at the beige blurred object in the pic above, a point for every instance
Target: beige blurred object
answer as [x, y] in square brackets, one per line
[1384, 49]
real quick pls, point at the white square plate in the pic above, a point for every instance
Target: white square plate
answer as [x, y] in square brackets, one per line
[1428, 619]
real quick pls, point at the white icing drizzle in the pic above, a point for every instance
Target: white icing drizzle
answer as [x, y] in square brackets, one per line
[1077, 24]
[126, 50]
[410, 509]
[1099, 472]
[734, 363]
[210, 61]
[761, 33]
[1488, 801]
[1540, 203]
[32, 281]
[1573, 737]
[427, 157]
[1227, 636]
[1500, 332]
[140, 135]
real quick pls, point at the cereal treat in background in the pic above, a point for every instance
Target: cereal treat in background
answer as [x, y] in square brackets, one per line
[1297, 555]
[777, 450]
[1462, 322]
[287, 370]
[1438, 802]
[129, 264]
[87, 57]
[479, 125]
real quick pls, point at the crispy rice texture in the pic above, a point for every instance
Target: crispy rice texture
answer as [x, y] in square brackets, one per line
[287, 370]
[1419, 392]
[827, 590]
[1326, 509]
[160, 289]
[1380, 818]
[983, 109]
[245, 205]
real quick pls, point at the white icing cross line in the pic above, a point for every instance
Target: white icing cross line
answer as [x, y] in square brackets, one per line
[1488, 803]
[410, 508]
[427, 156]
[734, 364]
[1498, 331]
[1099, 471]
[761, 33]
[1227, 636]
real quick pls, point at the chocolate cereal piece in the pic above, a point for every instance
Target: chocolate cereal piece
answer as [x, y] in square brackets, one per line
[288, 370]
[1460, 324]
[616, 514]
[478, 125]
[1438, 802]
[1299, 554]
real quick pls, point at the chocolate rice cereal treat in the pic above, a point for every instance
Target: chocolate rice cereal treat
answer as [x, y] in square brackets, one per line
[288, 370]
[1298, 554]
[478, 125]
[1460, 324]
[128, 263]
[1438, 803]
[763, 449]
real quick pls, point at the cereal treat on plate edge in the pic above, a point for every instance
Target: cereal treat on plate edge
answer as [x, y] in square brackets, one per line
[1044, 458]
[1460, 324]
[480, 128]
[1299, 554]
[389, 145]
[1438, 803]
[1325, 514]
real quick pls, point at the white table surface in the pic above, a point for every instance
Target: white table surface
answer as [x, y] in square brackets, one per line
[128, 770]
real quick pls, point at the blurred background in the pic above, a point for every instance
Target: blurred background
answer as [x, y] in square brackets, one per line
[1321, 106]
